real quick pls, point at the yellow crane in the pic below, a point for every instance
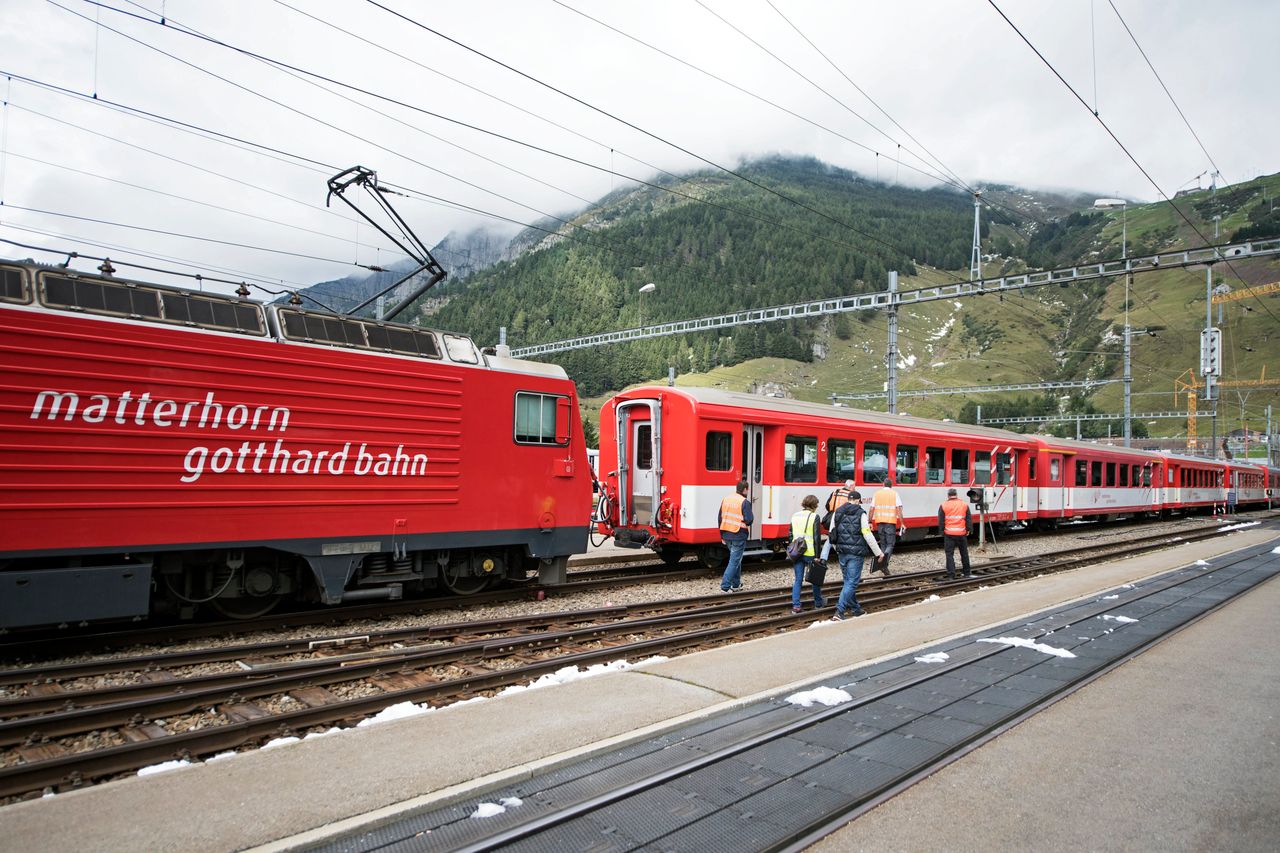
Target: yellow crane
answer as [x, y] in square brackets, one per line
[1245, 293]
[1192, 386]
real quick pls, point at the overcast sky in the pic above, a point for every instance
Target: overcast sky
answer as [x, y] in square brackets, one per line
[957, 80]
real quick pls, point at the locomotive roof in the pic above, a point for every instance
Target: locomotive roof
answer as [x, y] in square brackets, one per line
[28, 283]
[718, 397]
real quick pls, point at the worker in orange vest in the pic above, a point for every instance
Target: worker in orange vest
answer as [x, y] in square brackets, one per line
[887, 521]
[954, 522]
[735, 519]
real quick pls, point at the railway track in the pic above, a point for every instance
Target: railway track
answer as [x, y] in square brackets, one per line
[588, 575]
[62, 725]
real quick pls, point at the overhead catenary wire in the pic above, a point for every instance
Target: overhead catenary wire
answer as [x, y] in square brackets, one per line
[1116, 139]
[301, 113]
[832, 219]
[497, 135]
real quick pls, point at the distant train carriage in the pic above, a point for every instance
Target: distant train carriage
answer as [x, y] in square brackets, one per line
[669, 455]
[163, 448]
[1075, 479]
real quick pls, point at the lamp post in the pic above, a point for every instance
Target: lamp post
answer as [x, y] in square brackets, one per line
[647, 288]
[1112, 204]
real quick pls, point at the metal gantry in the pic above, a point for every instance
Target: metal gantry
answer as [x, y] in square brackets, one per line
[1042, 419]
[981, 389]
[886, 299]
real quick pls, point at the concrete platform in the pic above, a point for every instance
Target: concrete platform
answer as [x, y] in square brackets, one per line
[306, 791]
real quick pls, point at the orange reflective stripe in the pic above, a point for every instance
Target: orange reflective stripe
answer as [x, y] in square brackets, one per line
[731, 513]
[884, 507]
[954, 511]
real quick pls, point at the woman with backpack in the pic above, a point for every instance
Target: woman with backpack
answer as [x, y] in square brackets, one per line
[804, 545]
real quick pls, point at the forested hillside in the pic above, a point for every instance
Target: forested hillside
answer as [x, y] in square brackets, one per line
[745, 248]
[738, 246]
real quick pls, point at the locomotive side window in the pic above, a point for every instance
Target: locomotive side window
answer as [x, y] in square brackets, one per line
[100, 297]
[800, 460]
[719, 451]
[982, 468]
[842, 456]
[1082, 472]
[536, 419]
[875, 462]
[1031, 469]
[935, 464]
[1055, 471]
[906, 465]
[13, 287]
[960, 467]
[1002, 469]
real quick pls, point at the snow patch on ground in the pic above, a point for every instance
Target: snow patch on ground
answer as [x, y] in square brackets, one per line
[934, 657]
[1109, 597]
[164, 767]
[1240, 526]
[1121, 619]
[819, 695]
[1028, 644]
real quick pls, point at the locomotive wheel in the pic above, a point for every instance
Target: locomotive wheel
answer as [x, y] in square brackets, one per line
[671, 554]
[246, 608]
[713, 556]
[463, 584]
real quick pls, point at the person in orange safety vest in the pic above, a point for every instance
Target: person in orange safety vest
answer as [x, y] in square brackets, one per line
[954, 522]
[735, 519]
[887, 521]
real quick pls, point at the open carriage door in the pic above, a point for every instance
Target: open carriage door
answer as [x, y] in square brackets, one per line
[639, 436]
[753, 470]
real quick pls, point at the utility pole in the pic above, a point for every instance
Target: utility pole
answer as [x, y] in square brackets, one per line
[975, 258]
[892, 383]
[1207, 345]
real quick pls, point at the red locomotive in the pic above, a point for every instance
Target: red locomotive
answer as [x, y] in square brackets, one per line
[669, 455]
[162, 448]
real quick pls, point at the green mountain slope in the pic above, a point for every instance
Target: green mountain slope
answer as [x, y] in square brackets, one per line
[749, 248]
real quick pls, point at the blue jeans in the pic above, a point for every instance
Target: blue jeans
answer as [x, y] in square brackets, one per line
[851, 568]
[733, 572]
[800, 565]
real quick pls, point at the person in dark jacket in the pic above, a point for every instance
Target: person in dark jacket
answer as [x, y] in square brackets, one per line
[954, 521]
[851, 533]
[735, 519]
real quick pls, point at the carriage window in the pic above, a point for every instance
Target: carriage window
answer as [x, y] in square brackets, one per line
[800, 460]
[719, 451]
[841, 458]
[1082, 472]
[905, 466]
[1031, 469]
[1002, 469]
[982, 468]
[644, 447]
[1096, 473]
[875, 462]
[1137, 475]
[960, 467]
[1055, 471]
[935, 465]
[1124, 476]
[1111, 473]
[541, 419]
